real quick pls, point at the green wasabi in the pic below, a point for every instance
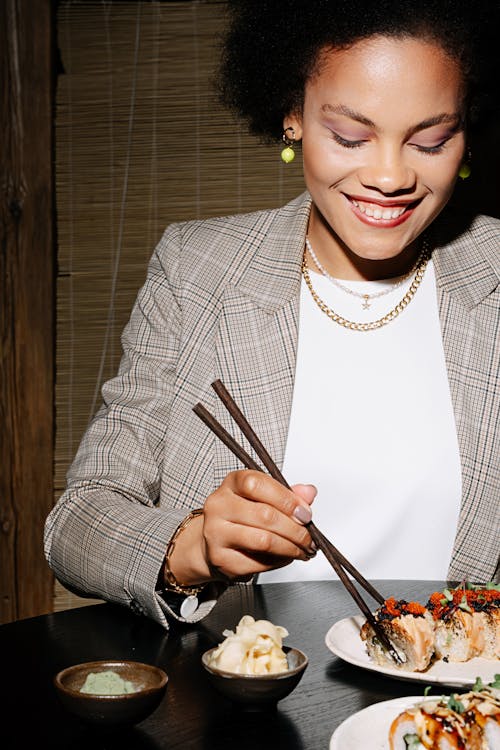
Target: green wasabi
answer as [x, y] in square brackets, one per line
[107, 683]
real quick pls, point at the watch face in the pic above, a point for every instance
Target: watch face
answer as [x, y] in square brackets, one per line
[182, 604]
[189, 606]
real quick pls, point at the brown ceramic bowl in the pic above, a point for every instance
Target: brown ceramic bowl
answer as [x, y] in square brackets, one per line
[111, 710]
[257, 692]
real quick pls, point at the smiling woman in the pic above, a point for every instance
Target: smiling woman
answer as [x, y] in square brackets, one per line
[357, 328]
[379, 173]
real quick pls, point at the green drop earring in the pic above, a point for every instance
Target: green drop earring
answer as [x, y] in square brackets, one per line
[288, 154]
[465, 168]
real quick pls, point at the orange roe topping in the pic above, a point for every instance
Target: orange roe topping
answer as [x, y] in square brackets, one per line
[475, 599]
[391, 606]
[482, 595]
[414, 608]
[398, 608]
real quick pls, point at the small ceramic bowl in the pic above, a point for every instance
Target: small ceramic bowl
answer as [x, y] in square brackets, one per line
[257, 692]
[111, 710]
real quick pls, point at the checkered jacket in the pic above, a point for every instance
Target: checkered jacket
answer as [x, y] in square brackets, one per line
[221, 301]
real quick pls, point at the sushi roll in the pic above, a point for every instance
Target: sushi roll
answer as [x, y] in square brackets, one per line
[468, 722]
[409, 627]
[467, 623]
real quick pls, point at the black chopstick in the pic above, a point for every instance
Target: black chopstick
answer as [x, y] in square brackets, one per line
[334, 557]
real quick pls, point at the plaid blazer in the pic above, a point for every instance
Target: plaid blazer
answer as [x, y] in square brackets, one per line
[221, 301]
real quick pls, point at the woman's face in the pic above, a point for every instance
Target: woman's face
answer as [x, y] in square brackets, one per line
[382, 141]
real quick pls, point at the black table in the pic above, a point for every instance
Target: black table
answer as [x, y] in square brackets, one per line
[192, 714]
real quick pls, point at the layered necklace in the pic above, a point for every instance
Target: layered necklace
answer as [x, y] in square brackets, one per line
[417, 272]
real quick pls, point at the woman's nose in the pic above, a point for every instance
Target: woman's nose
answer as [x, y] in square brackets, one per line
[388, 172]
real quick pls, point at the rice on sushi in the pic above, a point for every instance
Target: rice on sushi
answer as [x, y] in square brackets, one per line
[467, 623]
[409, 627]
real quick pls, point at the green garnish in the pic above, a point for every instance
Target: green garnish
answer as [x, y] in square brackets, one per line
[463, 604]
[447, 595]
[427, 690]
[478, 685]
[490, 586]
[455, 705]
[412, 741]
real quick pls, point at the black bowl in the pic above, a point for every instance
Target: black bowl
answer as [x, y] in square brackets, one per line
[112, 710]
[255, 692]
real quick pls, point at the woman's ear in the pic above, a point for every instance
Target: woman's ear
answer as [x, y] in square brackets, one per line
[293, 121]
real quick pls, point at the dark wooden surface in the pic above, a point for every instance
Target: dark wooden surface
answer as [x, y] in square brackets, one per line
[27, 261]
[192, 715]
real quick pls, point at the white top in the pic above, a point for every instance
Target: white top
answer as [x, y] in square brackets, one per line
[372, 427]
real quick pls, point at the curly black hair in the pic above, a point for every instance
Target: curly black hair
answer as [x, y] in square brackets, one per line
[271, 48]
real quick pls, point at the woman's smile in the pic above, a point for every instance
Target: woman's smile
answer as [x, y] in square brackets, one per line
[381, 214]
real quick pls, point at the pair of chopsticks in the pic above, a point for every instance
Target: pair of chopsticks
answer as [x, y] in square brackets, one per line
[339, 563]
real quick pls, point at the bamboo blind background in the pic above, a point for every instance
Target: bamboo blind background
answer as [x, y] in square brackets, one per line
[140, 142]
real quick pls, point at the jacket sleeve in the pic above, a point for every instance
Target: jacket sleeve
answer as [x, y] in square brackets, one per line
[107, 535]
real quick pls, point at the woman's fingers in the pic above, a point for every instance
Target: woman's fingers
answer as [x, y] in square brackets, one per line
[241, 565]
[263, 505]
[261, 531]
[260, 487]
[252, 523]
[306, 491]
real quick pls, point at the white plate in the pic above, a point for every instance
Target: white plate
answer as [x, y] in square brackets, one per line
[343, 640]
[369, 728]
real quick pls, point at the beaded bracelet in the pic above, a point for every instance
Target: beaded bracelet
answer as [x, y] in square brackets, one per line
[172, 584]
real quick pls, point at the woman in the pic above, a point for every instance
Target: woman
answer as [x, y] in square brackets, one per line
[356, 327]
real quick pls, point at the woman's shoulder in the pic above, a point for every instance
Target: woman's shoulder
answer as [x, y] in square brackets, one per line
[472, 238]
[253, 222]
[231, 243]
[466, 258]
[485, 228]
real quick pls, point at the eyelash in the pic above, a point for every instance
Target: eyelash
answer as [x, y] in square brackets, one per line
[431, 150]
[343, 142]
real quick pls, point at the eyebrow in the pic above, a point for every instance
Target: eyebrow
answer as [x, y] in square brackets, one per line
[341, 109]
[444, 117]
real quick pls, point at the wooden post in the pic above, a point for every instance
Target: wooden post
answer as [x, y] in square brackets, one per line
[27, 262]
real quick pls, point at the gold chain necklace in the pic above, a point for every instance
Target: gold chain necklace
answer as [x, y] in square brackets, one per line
[365, 297]
[372, 324]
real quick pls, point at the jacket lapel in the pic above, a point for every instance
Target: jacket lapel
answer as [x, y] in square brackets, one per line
[256, 340]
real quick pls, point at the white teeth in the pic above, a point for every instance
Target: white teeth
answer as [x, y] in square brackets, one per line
[376, 212]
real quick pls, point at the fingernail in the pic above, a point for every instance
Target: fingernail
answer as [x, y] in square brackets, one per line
[302, 514]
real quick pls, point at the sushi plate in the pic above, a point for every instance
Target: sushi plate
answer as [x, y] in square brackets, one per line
[343, 640]
[370, 727]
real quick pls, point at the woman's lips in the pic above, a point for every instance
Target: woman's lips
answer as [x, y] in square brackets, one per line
[384, 215]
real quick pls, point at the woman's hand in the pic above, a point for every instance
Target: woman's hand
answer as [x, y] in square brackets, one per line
[250, 524]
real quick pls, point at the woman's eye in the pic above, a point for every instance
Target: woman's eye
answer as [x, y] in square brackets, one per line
[345, 142]
[430, 149]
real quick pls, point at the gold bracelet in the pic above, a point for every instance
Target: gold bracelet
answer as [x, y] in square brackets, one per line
[172, 584]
